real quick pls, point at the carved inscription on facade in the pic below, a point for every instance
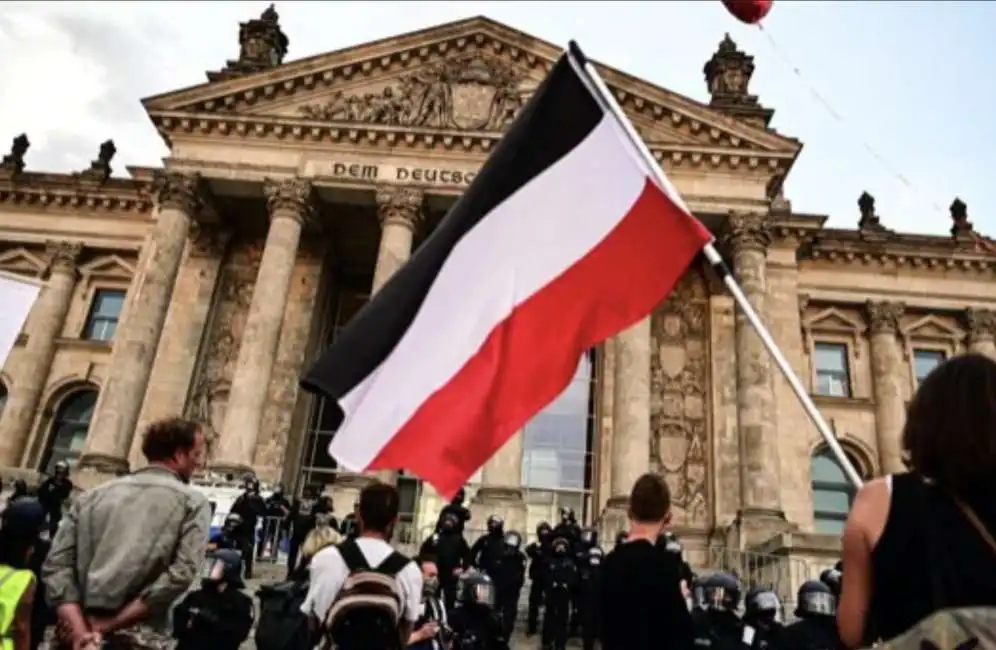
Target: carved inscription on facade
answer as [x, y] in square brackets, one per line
[679, 389]
[471, 92]
[401, 174]
[228, 319]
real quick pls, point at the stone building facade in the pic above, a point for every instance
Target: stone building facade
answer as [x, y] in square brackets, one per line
[292, 192]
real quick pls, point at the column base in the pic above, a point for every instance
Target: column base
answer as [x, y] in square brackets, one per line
[754, 526]
[505, 502]
[93, 469]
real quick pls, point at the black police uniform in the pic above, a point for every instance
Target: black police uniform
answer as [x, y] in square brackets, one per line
[303, 517]
[718, 627]
[539, 560]
[452, 554]
[488, 548]
[590, 579]
[276, 509]
[474, 623]
[250, 507]
[562, 580]
[228, 537]
[568, 527]
[508, 578]
[53, 493]
[587, 539]
[762, 612]
[457, 509]
[218, 616]
[816, 627]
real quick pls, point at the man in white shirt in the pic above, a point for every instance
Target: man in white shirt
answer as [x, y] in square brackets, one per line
[377, 515]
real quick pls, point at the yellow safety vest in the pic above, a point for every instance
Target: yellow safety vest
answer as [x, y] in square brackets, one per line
[13, 584]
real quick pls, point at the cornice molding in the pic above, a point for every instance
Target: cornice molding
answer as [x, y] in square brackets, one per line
[63, 191]
[898, 250]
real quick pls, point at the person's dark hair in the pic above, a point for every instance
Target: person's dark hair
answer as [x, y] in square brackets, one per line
[950, 431]
[20, 526]
[426, 557]
[650, 499]
[378, 507]
[165, 438]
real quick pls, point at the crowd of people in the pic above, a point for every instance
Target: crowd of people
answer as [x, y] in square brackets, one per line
[132, 563]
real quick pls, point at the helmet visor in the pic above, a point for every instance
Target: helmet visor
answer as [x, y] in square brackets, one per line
[717, 598]
[767, 602]
[484, 594]
[819, 603]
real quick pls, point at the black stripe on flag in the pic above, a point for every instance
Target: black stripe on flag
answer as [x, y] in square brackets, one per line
[558, 117]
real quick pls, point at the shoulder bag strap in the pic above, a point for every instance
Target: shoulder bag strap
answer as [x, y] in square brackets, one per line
[393, 564]
[353, 556]
[976, 523]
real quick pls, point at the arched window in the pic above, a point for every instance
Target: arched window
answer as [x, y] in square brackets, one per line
[69, 427]
[833, 494]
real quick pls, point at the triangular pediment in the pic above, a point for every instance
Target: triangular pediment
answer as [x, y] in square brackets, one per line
[832, 319]
[108, 266]
[22, 262]
[932, 327]
[469, 76]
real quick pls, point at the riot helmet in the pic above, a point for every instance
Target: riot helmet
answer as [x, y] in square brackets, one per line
[543, 531]
[815, 599]
[567, 515]
[721, 592]
[670, 543]
[251, 484]
[595, 556]
[232, 523]
[477, 589]
[589, 537]
[459, 497]
[496, 525]
[560, 547]
[448, 523]
[61, 469]
[621, 537]
[309, 492]
[833, 579]
[223, 566]
[762, 605]
[513, 540]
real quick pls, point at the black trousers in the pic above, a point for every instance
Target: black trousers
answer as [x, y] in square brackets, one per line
[535, 602]
[508, 607]
[556, 620]
[247, 547]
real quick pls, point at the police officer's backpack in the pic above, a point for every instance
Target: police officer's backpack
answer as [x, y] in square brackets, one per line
[281, 625]
[366, 613]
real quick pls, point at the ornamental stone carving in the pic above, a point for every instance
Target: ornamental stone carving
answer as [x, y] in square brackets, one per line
[62, 256]
[471, 92]
[869, 220]
[100, 168]
[747, 232]
[680, 401]
[980, 323]
[400, 206]
[13, 162]
[289, 197]
[883, 317]
[179, 191]
[207, 240]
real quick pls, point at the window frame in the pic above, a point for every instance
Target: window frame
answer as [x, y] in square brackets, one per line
[917, 349]
[96, 293]
[843, 487]
[845, 348]
[57, 422]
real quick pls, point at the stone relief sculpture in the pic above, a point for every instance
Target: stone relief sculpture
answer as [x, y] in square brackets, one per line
[470, 92]
[679, 387]
[214, 376]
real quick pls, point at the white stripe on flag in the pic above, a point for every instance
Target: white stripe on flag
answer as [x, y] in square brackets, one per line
[16, 298]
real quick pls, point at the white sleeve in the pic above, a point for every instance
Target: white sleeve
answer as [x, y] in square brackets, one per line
[328, 573]
[410, 582]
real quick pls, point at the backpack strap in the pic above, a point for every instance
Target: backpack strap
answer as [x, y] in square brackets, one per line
[353, 556]
[393, 564]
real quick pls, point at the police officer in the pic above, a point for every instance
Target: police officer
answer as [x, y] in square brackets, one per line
[719, 627]
[698, 596]
[669, 543]
[303, 518]
[816, 624]
[218, 616]
[590, 578]
[228, 536]
[53, 493]
[509, 576]
[456, 508]
[762, 612]
[276, 508]
[488, 548]
[562, 580]
[833, 578]
[539, 559]
[251, 508]
[568, 527]
[452, 555]
[474, 623]
[587, 540]
[350, 525]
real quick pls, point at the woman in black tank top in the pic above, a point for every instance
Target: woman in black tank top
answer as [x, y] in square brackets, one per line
[929, 555]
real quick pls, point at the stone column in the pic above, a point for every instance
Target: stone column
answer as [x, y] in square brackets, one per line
[183, 331]
[47, 320]
[981, 326]
[289, 204]
[630, 422]
[399, 210]
[180, 198]
[888, 378]
[501, 488]
[747, 239]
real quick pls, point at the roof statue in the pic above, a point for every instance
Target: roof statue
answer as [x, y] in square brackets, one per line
[262, 46]
[961, 228]
[728, 74]
[13, 162]
[869, 221]
[100, 168]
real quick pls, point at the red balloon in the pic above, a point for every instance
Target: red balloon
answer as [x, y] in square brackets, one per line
[748, 11]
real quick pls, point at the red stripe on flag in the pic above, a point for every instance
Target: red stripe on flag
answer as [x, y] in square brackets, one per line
[530, 357]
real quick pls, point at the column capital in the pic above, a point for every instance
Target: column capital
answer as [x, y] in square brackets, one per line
[291, 197]
[883, 316]
[980, 323]
[179, 191]
[207, 240]
[746, 231]
[399, 205]
[62, 256]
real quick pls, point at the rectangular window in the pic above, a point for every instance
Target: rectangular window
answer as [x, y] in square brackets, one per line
[832, 373]
[104, 314]
[924, 361]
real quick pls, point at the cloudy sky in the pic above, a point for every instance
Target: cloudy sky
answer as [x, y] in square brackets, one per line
[892, 97]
